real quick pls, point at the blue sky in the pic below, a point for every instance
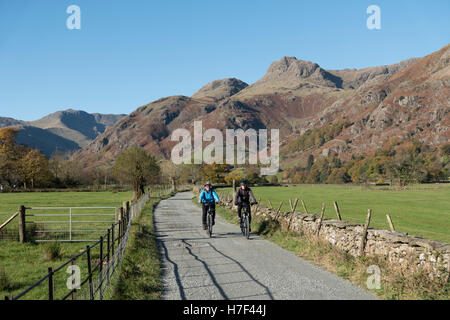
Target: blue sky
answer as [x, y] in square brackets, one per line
[129, 53]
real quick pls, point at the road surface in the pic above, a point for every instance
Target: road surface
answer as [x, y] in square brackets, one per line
[228, 266]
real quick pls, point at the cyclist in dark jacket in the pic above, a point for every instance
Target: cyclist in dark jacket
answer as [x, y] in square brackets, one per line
[208, 198]
[243, 196]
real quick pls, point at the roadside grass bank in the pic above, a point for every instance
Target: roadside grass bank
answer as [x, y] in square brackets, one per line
[140, 275]
[394, 284]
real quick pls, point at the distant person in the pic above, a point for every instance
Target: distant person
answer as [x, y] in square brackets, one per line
[243, 196]
[208, 198]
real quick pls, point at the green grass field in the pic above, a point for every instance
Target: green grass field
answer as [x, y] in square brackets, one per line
[9, 204]
[24, 264]
[419, 210]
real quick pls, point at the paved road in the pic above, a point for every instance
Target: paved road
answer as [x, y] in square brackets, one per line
[228, 266]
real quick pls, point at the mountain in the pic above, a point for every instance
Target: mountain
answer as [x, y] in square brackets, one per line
[64, 131]
[44, 140]
[9, 122]
[407, 99]
[220, 89]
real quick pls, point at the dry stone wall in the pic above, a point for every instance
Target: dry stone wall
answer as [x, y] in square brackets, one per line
[410, 253]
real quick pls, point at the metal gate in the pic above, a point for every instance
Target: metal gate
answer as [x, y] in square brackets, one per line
[69, 224]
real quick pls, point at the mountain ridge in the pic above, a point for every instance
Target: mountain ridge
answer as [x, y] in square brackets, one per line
[295, 96]
[64, 131]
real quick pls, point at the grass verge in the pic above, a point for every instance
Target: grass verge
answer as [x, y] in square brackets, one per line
[140, 275]
[395, 285]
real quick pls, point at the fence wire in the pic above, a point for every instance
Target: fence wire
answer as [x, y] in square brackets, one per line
[10, 231]
[345, 212]
[101, 276]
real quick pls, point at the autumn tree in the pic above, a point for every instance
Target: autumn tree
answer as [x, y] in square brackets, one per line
[235, 175]
[9, 155]
[137, 168]
[405, 168]
[67, 172]
[215, 173]
[33, 169]
[338, 176]
[189, 173]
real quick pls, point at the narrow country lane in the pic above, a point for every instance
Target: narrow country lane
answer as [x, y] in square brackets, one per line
[228, 266]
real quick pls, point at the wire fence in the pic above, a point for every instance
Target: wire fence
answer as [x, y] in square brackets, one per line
[158, 191]
[345, 214]
[8, 226]
[100, 263]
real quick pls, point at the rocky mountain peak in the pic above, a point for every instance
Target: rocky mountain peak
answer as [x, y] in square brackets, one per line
[289, 68]
[220, 89]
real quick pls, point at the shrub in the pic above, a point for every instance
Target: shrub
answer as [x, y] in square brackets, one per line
[273, 179]
[52, 250]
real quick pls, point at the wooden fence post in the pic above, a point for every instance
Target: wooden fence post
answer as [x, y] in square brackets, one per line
[290, 203]
[321, 219]
[292, 214]
[120, 213]
[51, 284]
[295, 205]
[338, 213]
[91, 285]
[101, 268]
[22, 227]
[364, 236]
[304, 207]
[391, 225]
[126, 207]
[278, 211]
[270, 204]
[73, 278]
[108, 246]
[112, 241]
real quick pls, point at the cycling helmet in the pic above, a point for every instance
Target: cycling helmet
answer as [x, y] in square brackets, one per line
[243, 183]
[207, 184]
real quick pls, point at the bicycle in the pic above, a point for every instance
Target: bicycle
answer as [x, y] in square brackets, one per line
[209, 221]
[245, 221]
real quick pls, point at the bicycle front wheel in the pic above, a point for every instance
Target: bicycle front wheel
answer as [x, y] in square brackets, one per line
[247, 227]
[210, 225]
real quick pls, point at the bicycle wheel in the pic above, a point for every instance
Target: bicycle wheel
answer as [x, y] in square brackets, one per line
[210, 225]
[242, 226]
[247, 227]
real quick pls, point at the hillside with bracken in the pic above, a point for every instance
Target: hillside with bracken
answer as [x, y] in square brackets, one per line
[320, 112]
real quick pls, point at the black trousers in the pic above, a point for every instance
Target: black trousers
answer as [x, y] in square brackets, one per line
[240, 206]
[205, 207]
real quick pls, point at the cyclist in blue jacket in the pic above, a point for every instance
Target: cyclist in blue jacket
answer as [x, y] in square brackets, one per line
[208, 198]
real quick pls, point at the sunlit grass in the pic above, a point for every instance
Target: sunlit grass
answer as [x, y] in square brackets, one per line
[422, 210]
